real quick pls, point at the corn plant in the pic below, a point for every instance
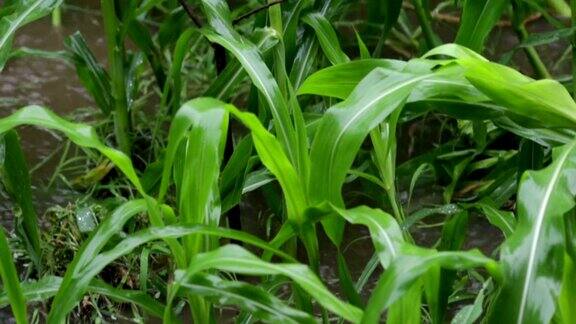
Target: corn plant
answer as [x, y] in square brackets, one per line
[317, 123]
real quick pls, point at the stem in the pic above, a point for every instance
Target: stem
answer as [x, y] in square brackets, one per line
[518, 24]
[425, 19]
[57, 17]
[116, 54]
[539, 67]
[255, 11]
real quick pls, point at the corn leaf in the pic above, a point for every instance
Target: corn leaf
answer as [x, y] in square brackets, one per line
[47, 287]
[410, 266]
[532, 256]
[272, 156]
[233, 258]
[342, 130]
[16, 179]
[478, 19]
[203, 124]
[247, 54]
[20, 14]
[327, 37]
[546, 102]
[90, 72]
[252, 299]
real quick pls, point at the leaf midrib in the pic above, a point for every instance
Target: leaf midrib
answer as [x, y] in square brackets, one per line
[538, 228]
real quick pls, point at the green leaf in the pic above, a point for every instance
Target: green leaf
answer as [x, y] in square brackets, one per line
[87, 264]
[545, 102]
[16, 179]
[340, 80]
[327, 37]
[233, 258]
[409, 267]
[74, 284]
[227, 81]
[247, 54]
[385, 233]
[200, 127]
[342, 130]
[532, 256]
[11, 282]
[307, 55]
[83, 135]
[538, 39]
[505, 221]
[566, 311]
[405, 263]
[90, 72]
[20, 14]
[478, 19]
[470, 314]
[255, 300]
[172, 91]
[272, 156]
[47, 287]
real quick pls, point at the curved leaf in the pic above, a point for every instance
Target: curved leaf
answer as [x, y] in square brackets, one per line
[532, 256]
[247, 54]
[252, 299]
[199, 127]
[410, 267]
[340, 80]
[47, 287]
[233, 258]
[21, 14]
[88, 265]
[273, 157]
[80, 134]
[69, 292]
[342, 130]
[327, 37]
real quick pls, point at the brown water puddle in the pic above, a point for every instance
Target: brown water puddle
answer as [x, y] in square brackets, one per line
[50, 83]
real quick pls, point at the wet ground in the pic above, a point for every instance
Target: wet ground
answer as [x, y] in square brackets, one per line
[50, 83]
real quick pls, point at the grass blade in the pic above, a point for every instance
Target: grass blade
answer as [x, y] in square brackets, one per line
[90, 72]
[11, 282]
[17, 181]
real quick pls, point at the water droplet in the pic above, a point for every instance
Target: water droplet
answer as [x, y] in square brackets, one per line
[86, 219]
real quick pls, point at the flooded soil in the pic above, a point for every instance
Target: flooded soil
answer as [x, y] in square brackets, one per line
[50, 83]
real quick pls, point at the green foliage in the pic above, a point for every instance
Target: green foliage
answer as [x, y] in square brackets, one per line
[330, 137]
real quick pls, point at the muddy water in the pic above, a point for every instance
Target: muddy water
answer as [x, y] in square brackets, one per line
[54, 84]
[50, 83]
